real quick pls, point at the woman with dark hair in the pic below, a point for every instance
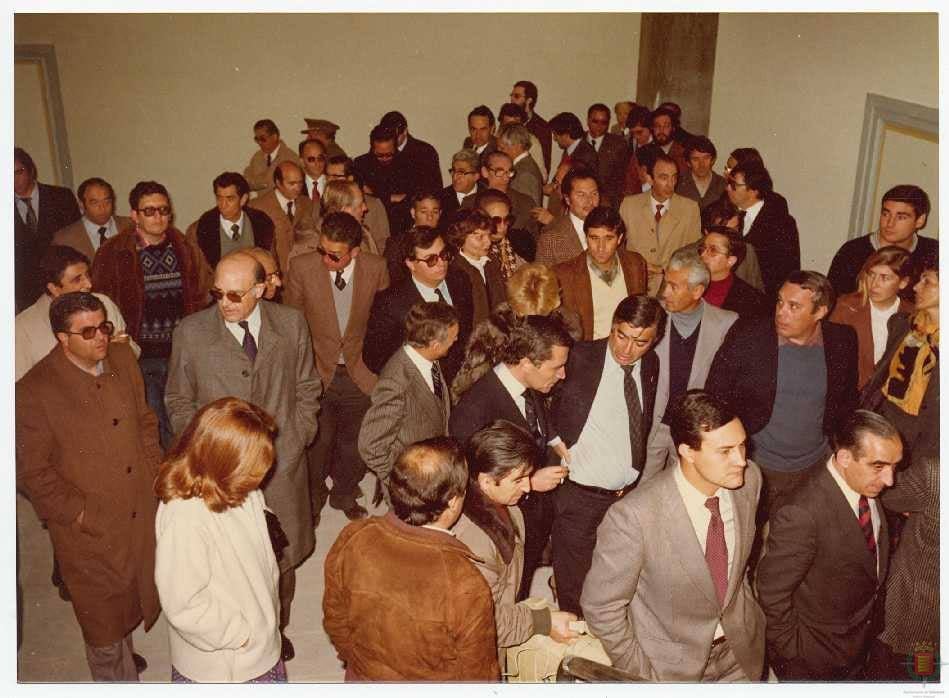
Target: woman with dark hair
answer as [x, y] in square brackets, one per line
[877, 298]
[500, 459]
[215, 567]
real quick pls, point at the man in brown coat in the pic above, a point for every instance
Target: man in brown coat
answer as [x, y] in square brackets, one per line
[403, 601]
[334, 288]
[287, 207]
[271, 151]
[594, 282]
[98, 222]
[87, 452]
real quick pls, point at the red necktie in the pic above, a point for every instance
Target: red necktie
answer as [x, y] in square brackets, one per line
[866, 525]
[658, 213]
[716, 552]
[316, 192]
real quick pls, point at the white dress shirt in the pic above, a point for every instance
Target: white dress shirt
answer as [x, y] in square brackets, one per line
[750, 214]
[34, 198]
[320, 184]
[253, 324]
[601, 457]
[92, 230]
[283, 201]
[226, 226]
[879, 329]
[513, 386]
[423, 365]
[701, 517]
[428, 293]
[665, 206]
[596, 142]
[578, 228]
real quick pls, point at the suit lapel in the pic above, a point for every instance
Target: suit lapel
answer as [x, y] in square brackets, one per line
[743, 510]
[683, 539]
[584, 296]
[436, 411]
[849, 525]
[324, 291]
[269, 336]
[359, 283]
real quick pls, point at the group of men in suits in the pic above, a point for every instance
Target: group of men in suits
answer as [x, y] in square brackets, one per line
[357, 363]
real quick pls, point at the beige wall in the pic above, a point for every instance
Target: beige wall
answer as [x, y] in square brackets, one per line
[173, 97]
[795, 87]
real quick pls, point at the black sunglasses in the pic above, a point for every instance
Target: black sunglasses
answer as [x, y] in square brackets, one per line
[445, 255]
[106, 328]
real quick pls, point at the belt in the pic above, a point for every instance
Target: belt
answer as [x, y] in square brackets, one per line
[603, 491]
[718, 640]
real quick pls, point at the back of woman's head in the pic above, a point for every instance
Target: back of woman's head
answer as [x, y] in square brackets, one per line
[533, 290]
[221, 456]
[484, 348]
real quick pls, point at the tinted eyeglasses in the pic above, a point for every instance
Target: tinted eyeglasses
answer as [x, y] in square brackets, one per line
[445, 256]
[106, 328]
[501, 172]
[233, 296]
[732, 184]
[498, 220]
[315, 158]
[329, 255]
[152, 211]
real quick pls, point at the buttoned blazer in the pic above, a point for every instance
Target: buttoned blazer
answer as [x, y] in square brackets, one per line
[576, 290]
[309, 289]
[403, 410]
[207, 363]
[57, 208]
[206, 233]
[680, 225]
[687, 188]
[649, 596]
[573, 397]
[283, 226]
[528, 179]
[817, 581]
[558, 242]
[259, 175]
[851, 310]
[75, 236]
[385, 332]
[486, 401]
[712, 332]
[611, 166]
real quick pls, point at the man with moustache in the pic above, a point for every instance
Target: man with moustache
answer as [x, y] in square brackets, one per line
[666, 593]
[663, 125]
[262, 353]
[524, 95]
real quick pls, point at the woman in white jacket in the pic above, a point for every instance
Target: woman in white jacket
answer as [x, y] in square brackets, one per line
[215, 567]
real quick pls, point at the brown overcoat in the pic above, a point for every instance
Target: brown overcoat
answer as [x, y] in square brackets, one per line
[851, 310]
[90, 443]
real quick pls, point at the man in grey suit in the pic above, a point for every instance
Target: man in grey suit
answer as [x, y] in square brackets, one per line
[693, 333]
[514, 141]
[667, 593]
[262, 353]
[411, 400]
[612, 152]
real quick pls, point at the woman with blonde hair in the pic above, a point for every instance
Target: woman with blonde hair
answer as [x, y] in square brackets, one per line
[532, 290]
[877, 298]
[215, 567]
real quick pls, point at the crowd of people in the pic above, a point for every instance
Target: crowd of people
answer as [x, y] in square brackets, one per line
[602, 357]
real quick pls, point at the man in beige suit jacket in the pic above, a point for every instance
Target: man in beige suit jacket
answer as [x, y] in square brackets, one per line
[678, 224]
[334, 287]
[259, 173]
[667, 593]
[287, 207]
[407, 403]
[98, 222]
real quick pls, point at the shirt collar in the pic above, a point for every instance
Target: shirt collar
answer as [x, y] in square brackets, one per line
[573, 146]
[282, 200]
[690, 493]
[253, 321]
[877, 243]
[226, 224]
[513, 386]
[578, 228]
[93, 229]
[853, 498]
[479, 263]
[521, 157]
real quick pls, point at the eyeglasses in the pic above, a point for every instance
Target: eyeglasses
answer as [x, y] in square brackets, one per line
[498, 220]
[711, 250]
[500, 172]
[233, 296]
[261, 139]
[732, 184]
[462, 173]
[152, 211]
[106, 328]
[333, 257]
[445, 256]
[383, 156]
[315, 158]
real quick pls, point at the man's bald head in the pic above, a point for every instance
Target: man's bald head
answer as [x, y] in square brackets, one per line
[272, 274]
[238, 285]
[288, 177]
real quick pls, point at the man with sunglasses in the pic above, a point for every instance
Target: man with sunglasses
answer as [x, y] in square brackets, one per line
[427, 257]
[465, 174]
[262, 353]
[334, 288]
[384, 172]
[87, 455]
[497, 172]
[156, 276]
[313, 158]
[231, 224]
[270, 153]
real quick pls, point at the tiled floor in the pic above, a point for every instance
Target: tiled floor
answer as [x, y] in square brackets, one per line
[52, 643]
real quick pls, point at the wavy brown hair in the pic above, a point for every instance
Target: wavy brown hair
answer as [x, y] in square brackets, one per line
[222, 456]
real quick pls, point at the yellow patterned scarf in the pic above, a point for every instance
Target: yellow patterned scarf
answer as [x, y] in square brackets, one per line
[912, 366]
